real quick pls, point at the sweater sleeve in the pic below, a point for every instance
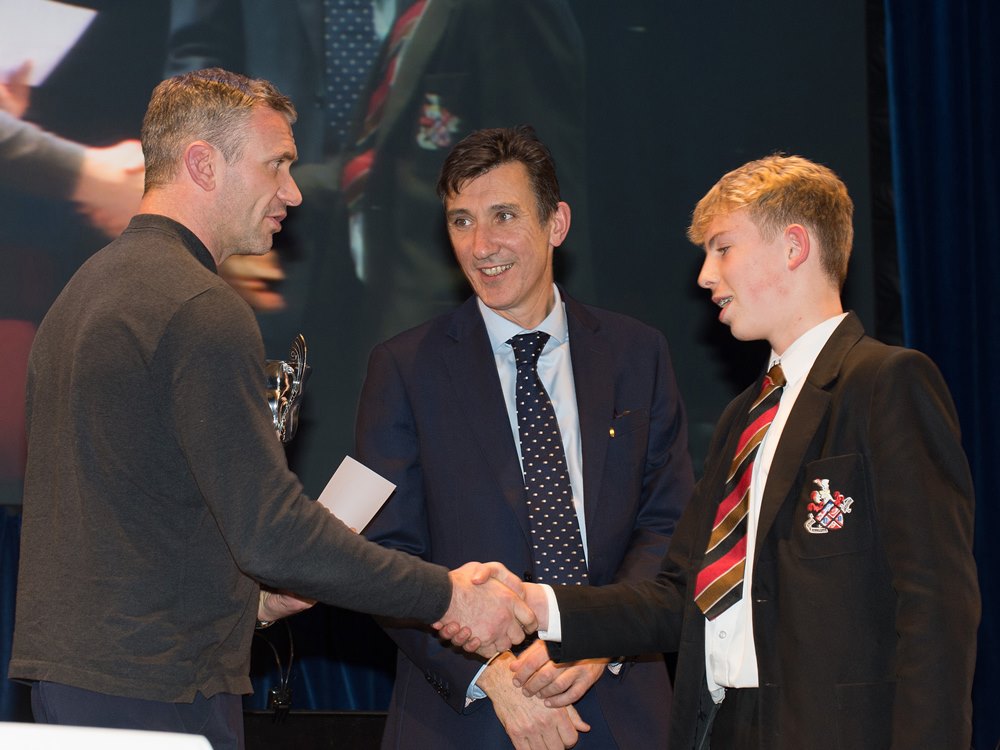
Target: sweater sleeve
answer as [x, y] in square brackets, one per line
[37, 162]
[275, 533]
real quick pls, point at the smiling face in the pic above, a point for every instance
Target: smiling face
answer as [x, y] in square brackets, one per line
[503, 248]
[257, 189]
[747, 276]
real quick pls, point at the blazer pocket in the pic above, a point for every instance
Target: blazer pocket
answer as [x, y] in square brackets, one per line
[834, 514]
[626, 421]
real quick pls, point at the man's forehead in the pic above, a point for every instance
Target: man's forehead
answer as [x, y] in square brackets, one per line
[508, 179]
[271, 124]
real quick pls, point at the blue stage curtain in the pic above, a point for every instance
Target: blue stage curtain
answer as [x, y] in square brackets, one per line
[943, 66]
[342, 662]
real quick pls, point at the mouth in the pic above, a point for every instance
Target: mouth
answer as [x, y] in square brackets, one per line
[496, 270]
[722, 301]
[277, 219]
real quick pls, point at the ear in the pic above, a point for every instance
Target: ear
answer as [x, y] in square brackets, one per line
[799, 245]
[559, 224]
[200, 163]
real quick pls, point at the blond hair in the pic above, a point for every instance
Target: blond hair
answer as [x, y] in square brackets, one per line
[781, 190]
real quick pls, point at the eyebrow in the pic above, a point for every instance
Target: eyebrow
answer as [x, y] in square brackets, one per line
[494, 208]
[712, 241]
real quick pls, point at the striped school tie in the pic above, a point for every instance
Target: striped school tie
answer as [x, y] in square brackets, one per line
[720, 582]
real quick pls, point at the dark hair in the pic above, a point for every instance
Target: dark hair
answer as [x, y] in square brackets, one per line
[212, 105]
[483, 150]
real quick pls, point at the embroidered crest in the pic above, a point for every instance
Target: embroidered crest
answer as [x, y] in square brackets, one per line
[437, 124]
[827, 509]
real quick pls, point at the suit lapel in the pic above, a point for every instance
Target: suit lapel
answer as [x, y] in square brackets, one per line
[808, 414]
[592, 376]
[476, 386]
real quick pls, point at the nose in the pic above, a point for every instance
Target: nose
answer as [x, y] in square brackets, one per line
[483, 243]
[289, 192]
[707, 275]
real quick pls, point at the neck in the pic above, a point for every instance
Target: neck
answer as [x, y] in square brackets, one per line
[805, 321]
[529, 319]
[166, 202]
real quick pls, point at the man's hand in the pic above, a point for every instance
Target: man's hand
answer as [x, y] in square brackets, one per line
[254, 278]
[529, 724]
[528, 664]
[110, 185]
[274, 605]
[15, 91]
[557, 684]
[533, 595]
[486, 613]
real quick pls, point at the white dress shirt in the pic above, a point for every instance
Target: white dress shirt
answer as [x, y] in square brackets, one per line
[730, 658]
[555, 370]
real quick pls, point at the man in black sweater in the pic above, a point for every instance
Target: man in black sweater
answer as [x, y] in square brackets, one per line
[157, 497]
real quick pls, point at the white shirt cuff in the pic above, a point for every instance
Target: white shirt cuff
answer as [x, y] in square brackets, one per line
[554, 631]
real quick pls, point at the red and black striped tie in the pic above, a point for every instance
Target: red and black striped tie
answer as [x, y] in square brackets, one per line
[720, 582]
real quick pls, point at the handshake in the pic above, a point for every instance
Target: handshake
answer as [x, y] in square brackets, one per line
[491, 609]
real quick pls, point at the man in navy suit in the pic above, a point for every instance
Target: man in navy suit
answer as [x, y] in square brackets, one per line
[438, 418]
[850, 622]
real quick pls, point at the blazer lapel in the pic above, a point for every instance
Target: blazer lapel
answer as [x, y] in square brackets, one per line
[592, 376]
[469, 360]
[808, 414]
[415, 56]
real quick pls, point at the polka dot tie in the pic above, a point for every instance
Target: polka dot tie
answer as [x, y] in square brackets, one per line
[557, 546]
[351, 47]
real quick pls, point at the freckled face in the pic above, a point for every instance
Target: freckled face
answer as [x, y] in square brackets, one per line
[503, 249]
[746, 276]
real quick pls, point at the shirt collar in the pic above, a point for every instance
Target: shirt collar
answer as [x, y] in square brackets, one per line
[500, 329]
[383, 16]
[799, 357]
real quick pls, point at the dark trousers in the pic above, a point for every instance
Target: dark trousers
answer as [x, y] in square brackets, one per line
[219, 718]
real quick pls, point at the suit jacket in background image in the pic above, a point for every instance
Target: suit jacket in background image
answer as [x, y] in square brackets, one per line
[469, 64]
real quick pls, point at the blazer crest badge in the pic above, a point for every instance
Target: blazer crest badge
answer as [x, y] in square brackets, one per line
[437, 125]
[827, 510]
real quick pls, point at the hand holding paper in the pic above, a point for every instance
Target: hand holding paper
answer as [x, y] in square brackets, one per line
[40, 31]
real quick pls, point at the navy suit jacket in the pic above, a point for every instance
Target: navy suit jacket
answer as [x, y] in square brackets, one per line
[433, 420]
[865, 635]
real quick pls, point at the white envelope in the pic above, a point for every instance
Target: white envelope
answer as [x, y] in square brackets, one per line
[355, 493]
